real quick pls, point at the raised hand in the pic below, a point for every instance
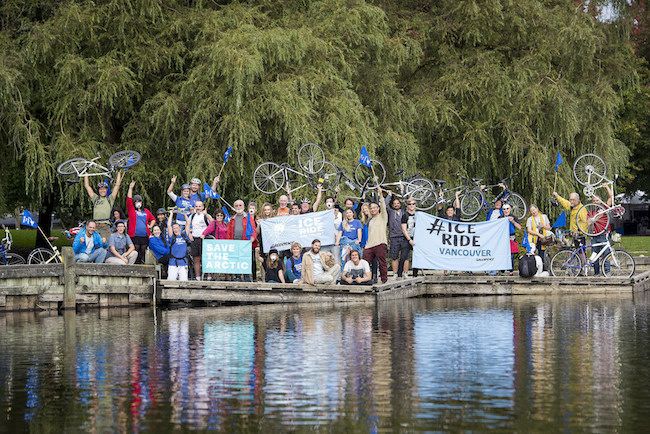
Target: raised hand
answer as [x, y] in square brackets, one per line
[132, 184]
[174, 179]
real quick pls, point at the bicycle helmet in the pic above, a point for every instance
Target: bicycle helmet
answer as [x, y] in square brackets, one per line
[161, 211]
[103, 184]
[185, 187]
[305, 200]
[195, 181]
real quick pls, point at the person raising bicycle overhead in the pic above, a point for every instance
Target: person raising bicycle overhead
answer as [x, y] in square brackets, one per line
[103, 202]
[578, 215]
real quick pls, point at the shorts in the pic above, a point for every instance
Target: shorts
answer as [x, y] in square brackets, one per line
[399, 246]
[196, 247]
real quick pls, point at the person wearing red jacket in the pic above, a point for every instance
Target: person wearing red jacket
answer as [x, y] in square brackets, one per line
[139, 219]
[242, 226]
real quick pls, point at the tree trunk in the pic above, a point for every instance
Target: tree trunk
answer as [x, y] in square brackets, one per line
[45, 219]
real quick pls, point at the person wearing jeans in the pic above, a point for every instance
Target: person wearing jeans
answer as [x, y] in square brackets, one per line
[88, 245]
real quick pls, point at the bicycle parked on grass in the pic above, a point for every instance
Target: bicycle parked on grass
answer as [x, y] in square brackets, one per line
[76, 168]
[574, 261]
[7, 257]
[480, 199]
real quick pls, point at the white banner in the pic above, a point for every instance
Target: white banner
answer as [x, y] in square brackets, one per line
[279, 232]
[456, 246]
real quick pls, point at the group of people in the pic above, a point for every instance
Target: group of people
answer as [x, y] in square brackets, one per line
[368, 235]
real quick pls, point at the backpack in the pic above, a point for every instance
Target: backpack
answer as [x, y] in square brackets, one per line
[205, 219]
[527, 266]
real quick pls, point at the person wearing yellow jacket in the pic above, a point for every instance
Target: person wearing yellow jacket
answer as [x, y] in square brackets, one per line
[578, 215]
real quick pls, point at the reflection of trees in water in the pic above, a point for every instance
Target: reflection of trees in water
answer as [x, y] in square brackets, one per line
[576, 362]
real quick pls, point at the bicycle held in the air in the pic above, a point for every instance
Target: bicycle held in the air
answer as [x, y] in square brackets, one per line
[590, 171]
[76, 168]
[479, 199]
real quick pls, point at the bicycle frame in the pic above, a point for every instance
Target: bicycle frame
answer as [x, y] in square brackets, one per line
[92, 164]
[589, 261]
[286, 170]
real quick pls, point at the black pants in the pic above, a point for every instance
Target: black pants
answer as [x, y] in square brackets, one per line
[141, 244]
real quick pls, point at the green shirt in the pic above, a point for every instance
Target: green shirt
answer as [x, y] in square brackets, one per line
[102, 207]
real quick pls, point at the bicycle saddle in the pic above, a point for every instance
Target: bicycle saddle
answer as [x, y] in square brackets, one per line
[440, 182]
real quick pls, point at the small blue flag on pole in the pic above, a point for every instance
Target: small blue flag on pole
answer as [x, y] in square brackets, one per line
[108, 189]
[226, 214]
[364, 158]
[28, 220]
[558, 161]
[560, 222]
[209, 193]
[525, 243]
[227, 154]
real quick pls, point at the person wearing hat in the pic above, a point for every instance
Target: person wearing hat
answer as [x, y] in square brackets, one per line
[103, 202]
[161, 220]
[184, 202]
[273, 267]
[514, 225]
[121, 250]
[140, 219]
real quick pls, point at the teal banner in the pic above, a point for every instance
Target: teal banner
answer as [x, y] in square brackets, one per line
[226, 257]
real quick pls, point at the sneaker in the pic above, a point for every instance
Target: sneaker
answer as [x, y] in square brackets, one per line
[198, 278]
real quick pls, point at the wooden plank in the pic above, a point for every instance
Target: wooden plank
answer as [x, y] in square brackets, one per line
[263, 296]
[22, 271]
[115, 289]
[108, 270]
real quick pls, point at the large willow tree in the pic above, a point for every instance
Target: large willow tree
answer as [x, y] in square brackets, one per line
[490, 88]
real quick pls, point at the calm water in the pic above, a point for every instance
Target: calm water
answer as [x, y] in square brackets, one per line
[523, 364]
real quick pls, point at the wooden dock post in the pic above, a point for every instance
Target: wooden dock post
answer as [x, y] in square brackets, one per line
[69, 279]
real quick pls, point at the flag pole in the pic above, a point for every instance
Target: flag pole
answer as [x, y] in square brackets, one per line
[221, 170]
[555, 182]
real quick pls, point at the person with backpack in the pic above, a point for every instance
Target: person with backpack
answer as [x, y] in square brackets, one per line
[293, 264]
[139, 222]
[195, 225]
[178, 251]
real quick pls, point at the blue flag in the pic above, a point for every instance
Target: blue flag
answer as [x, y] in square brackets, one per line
[558, 161]
[226, 214]
[560, 222]
[108, 189]
[209, 193]
[525, 243]
[28, 220]
[227, 154]
[364, 158]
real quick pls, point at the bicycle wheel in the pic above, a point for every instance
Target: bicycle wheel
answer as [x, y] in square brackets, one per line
[423, 191]
[618, 263]
[41, 255]
[364, 175]
[74, 166]
[12, 259]
[268, 178]
[311, 158]
[597, 219]
[330, 176]
[124, 159]
[470, 204]
[518, 205]
[566, 263]
[589, 169]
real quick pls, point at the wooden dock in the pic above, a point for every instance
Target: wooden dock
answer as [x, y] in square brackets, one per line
[60, 286]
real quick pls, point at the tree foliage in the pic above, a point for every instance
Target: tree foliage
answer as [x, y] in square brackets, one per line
[489, 88]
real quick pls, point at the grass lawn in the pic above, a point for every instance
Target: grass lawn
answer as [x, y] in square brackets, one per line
[25, 239]
[636, 245]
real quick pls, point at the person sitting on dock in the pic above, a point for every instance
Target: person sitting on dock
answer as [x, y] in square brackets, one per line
[356, 271]
[88, 245]
[121, 250]
[293, 264]
[273, 268]
[178, 242]
[319, 267]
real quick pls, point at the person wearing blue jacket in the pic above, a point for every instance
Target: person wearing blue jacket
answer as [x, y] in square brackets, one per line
[88, 245]
[158, 243]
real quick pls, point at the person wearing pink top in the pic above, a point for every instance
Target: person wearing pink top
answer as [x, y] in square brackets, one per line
[217, 227]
